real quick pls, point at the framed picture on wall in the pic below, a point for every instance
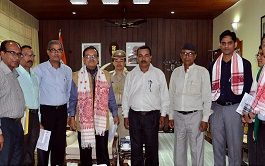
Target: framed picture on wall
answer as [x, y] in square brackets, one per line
[131, 52]
[262, 25]
[97, 46]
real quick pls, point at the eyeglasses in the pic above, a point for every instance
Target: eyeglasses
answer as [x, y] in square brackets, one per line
[187, 54]
[88, 56]
[29, 55]
[53, 50]
[13, 53]
[258, 55]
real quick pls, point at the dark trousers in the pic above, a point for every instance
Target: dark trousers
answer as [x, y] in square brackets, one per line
[102, 153]
[12, 152]
[144, 130]
[252, 146]
[261, 144]
[30, 140]
[54, 119]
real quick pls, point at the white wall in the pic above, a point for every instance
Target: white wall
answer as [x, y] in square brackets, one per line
[248, 13]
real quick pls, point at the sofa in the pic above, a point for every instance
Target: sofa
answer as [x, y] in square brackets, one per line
[72, 149]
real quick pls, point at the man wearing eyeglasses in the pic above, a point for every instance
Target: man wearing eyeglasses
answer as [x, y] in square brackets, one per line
[145, 104]
[28, 81]
[12, 105]
[55, 84]
[231, 77]
[256, 118]
[92, 95]
[190, 107]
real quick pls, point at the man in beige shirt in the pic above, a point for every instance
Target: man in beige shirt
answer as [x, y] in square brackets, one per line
[190, 102]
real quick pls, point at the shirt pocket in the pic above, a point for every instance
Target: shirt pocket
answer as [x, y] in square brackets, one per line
[63, 82]
[195, 88]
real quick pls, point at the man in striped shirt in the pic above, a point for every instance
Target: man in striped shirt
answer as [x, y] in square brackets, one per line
[12, 105]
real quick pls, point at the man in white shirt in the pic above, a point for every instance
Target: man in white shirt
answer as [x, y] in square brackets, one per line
[190, 103]
[145, 103]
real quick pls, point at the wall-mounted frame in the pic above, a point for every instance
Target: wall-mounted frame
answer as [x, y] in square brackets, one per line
[97, 46]
[262, 28]
[131, 54]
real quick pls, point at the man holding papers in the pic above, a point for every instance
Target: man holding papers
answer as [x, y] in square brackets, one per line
[28, 81]
[257, 131]
[231, 77]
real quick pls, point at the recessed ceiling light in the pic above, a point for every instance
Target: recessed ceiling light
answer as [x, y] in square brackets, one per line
[78, 2]
[110, 2]
[141, 2]
[73, 12]
[172, 12]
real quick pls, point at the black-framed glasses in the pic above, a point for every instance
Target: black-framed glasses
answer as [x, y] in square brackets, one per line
[53, 50]
[258, 55]
[13, 53]
[29, 55]
[88, 56]
[187, 54]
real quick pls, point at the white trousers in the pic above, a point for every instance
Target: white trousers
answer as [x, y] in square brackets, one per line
[187, 129]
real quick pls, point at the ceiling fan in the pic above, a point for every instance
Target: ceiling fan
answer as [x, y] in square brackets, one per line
[124, 24]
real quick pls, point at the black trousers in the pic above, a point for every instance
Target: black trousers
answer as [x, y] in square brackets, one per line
[30, 140]
[54, 119]
[261, 144]
[102, 153]
[144, 130]
[12, 151]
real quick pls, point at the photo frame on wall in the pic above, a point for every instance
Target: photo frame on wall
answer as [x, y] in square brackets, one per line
[262, 28]
[131, 54]
[97, 46]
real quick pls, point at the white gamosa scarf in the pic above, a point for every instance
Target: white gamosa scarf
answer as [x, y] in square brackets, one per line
[237, 76]
[92, 115]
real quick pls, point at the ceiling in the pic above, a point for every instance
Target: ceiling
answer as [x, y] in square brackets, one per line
[184, 9]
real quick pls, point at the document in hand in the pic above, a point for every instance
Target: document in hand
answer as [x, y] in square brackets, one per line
[245, 104]
[44, 138]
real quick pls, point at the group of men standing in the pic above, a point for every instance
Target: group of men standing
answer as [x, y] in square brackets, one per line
[23, 92]
[140, 98]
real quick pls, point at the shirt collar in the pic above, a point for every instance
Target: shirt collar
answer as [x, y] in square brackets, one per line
[5, 68]
[22, 70]
[150, 67]
[50, 65]
[123, 73]
[190, 67]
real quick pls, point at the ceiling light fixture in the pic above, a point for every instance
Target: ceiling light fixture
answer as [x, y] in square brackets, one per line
[141, 2]
[110, 2]
[78, 2]
[172, 12]
[73, 12]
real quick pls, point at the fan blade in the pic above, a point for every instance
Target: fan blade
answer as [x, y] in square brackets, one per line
[133, 26]
[113, 22]
[137, 22]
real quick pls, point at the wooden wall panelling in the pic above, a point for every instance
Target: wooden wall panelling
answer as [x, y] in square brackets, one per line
[164, 36]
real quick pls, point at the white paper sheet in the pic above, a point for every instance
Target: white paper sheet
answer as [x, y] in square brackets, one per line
[245, 104]
[44, 138]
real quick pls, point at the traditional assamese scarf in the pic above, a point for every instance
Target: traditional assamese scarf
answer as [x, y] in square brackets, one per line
[258, 105]
[92, 118]
[237, 76]
[255, 105]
